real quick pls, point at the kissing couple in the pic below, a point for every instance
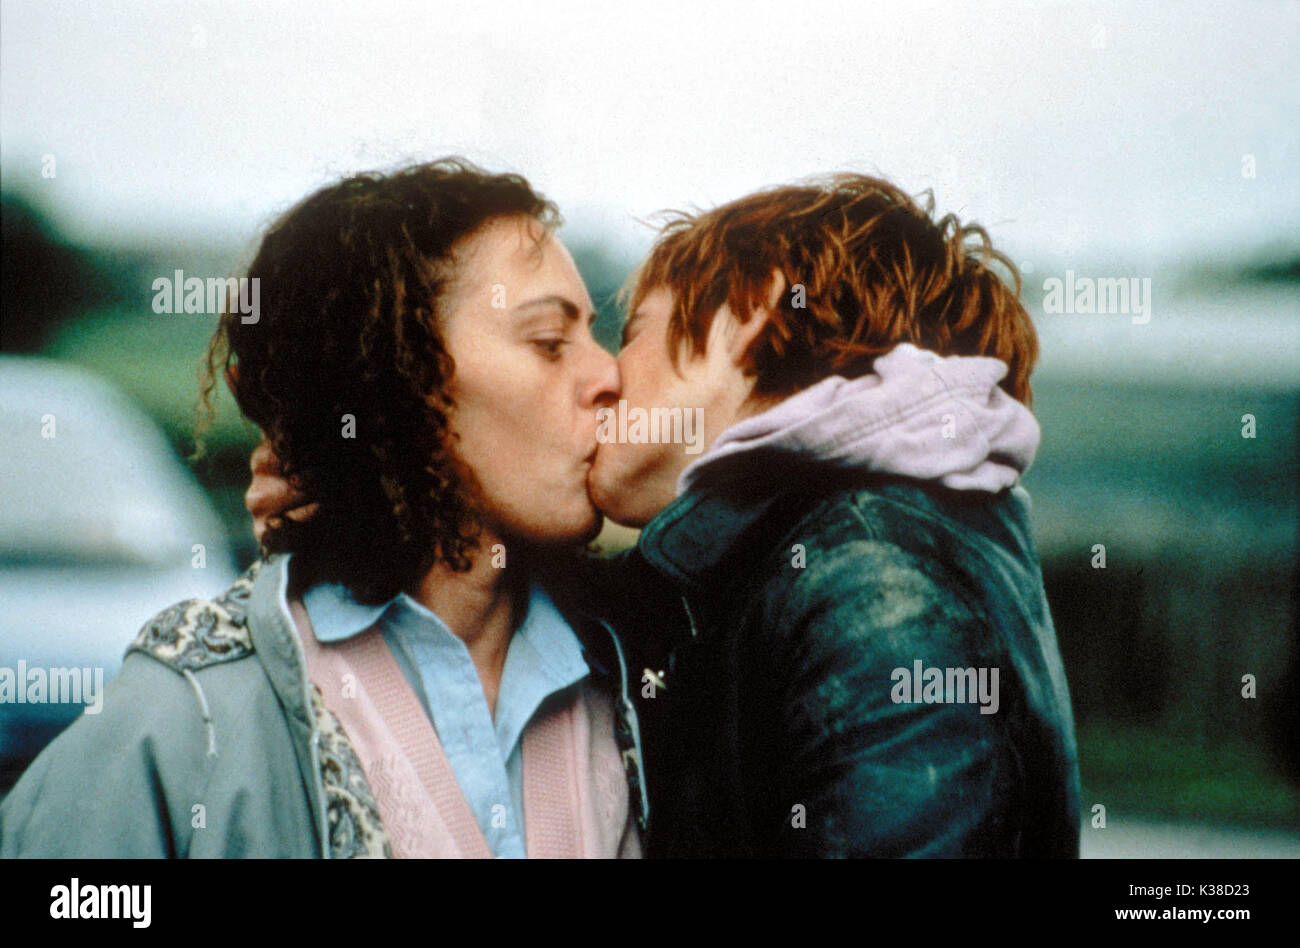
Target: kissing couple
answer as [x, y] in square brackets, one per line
[829, 639]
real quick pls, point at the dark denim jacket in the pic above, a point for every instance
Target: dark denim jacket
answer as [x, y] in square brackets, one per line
[780, 617]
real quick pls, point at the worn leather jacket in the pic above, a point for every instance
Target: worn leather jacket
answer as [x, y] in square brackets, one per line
[781, 624]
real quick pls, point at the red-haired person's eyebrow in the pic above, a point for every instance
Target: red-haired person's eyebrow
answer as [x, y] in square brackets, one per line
[627, 327]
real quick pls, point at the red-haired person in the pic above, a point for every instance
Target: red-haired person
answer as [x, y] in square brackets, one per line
[858, 654]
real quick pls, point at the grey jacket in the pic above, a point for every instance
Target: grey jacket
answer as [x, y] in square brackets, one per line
[213, 743]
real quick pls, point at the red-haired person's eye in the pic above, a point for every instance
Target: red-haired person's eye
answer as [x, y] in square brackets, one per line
[551, 346]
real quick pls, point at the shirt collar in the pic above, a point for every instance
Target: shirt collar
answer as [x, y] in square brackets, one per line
[552, 638]
[553, 646]
[336, 615]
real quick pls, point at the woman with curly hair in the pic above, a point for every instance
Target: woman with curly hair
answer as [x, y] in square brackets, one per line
[393, 678]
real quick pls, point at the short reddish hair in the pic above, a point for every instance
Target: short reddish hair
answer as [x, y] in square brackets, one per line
[876, 269]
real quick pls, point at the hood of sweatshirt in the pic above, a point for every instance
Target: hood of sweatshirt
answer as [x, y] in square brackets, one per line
[917, 414]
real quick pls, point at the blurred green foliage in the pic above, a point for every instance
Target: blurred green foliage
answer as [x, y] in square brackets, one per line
[1149, 771]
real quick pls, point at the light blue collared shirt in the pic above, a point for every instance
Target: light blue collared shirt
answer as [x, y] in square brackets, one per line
[544, 657]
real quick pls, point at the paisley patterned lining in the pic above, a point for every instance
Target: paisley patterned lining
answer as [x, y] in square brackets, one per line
[197, 633]
[355, 829]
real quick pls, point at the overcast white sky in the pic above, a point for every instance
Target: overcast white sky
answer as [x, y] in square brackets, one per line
[1080, 131]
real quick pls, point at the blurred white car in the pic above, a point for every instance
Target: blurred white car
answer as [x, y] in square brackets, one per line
[101, 527]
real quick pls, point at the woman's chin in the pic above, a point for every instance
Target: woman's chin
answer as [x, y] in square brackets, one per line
[597, 525]
[591, 527]
[579, 529]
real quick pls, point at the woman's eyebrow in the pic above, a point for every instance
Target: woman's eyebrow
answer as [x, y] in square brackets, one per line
[566, 306]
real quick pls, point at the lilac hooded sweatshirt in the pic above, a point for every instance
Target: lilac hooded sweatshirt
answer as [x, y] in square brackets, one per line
[917, 414]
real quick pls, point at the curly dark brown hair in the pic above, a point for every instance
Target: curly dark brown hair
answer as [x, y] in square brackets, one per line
[348, 337]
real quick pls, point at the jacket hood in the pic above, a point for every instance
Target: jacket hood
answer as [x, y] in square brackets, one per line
[917, 414]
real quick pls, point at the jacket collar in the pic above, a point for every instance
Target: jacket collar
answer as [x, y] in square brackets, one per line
[692, 539]
[276, 644]
[275, 640]
[736, 510]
